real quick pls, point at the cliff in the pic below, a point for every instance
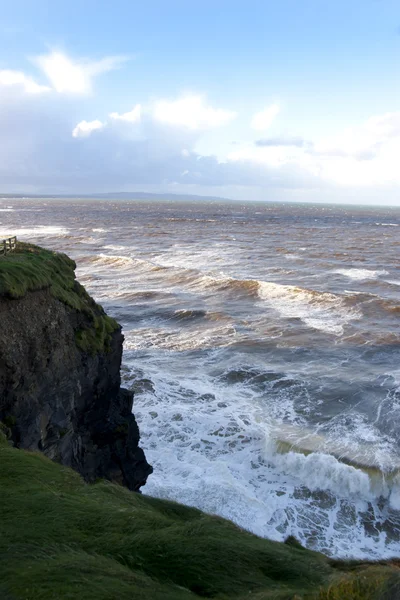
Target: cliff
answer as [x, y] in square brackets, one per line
[60, 358]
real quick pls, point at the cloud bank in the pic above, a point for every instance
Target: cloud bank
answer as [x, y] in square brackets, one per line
[50, 143]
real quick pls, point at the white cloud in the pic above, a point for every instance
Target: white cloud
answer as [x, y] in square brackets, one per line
[156, 144]
[85, 128]
[191, 112]
[271, 156]
[262, 121]
[67, 76]
[12, 78]
[362, 156]
[364, 141]
[133, 116]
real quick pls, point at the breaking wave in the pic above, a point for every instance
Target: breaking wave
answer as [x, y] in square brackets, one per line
[361, 274]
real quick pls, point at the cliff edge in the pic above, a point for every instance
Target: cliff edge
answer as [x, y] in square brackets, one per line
[60, 358]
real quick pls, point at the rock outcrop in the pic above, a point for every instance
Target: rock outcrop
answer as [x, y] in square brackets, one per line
[60, 384]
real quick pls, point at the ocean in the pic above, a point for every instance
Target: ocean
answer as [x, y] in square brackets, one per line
[263, 344]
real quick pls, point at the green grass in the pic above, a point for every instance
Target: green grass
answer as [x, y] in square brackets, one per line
[63, 539]
[31, 268]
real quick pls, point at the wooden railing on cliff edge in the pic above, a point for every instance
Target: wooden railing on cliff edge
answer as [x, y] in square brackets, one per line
[7, 245]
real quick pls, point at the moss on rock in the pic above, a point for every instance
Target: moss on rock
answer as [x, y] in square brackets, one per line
[32, 268]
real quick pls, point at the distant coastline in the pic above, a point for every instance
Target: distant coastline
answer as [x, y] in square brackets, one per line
[118, 196]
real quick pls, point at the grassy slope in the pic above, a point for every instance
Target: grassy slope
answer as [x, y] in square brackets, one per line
[63, 539]
[32, 268]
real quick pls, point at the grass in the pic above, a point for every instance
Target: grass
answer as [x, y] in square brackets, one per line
[62, 539]
[31, 268]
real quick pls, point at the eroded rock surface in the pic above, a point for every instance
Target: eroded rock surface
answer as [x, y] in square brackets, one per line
[63, 400]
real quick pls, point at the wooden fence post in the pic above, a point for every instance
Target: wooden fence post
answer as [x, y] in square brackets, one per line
[8, 245]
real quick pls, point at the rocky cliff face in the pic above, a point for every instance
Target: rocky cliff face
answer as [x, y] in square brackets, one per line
[62, 398]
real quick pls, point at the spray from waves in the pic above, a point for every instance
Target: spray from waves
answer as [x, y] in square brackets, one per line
[212, 448]
[361, 274]
[324, 472]
[327, 464]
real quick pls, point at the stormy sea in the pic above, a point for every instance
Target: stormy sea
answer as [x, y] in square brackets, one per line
[263, 344]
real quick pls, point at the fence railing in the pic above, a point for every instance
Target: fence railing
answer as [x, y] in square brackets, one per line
[7, 245]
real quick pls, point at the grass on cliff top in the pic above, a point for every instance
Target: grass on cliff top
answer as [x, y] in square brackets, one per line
[62, 539]
[31, 268]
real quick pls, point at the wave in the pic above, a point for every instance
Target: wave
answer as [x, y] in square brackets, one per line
[323, 311]
[319, 310]
[361, 274]
[359, 455]
[213, 449]
[179, 340]
[39, 231]
[139, 295]
[115, 248]
[112, 261]
[185, 314]
[120, 261]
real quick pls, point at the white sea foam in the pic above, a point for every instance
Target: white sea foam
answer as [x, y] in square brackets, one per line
[325, 472]
[111, 260]
[36, 232]
[319, 310]
[361, 274]
[179, 339]
[211, 447]
[293, 256]
[116, 248]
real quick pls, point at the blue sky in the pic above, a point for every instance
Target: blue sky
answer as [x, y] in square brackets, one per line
[296, 100]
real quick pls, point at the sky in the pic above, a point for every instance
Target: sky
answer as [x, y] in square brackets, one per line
[296, 100]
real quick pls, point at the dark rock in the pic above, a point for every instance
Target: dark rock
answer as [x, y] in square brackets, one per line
[64, 401]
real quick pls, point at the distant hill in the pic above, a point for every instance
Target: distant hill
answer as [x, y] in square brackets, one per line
[122, 196]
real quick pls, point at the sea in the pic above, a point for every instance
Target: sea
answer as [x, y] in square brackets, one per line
[262, 341]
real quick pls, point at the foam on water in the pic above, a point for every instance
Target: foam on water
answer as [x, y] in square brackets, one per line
[318, 310]
[110, 260]
[361, 274]
[178, 340]
[212, 447]
[37, 232]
